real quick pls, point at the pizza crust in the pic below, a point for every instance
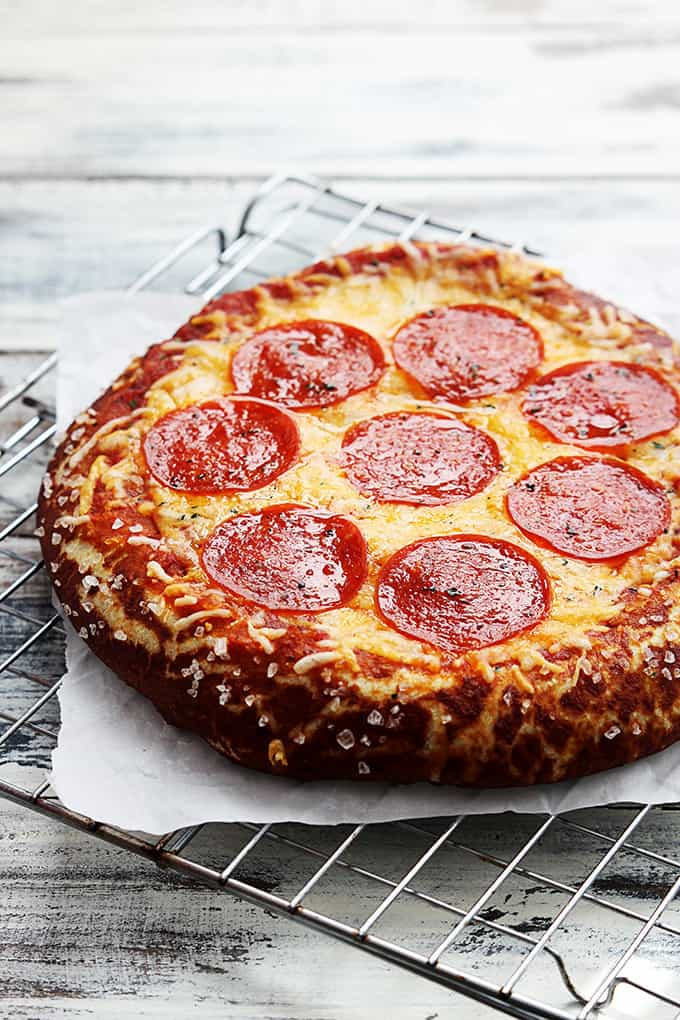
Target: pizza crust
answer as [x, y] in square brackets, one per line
[338, 694]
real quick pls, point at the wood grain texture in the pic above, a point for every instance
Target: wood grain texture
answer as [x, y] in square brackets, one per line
[124, 127]
[64, 237]
[519, 89]
[177, 950]
[89, 930]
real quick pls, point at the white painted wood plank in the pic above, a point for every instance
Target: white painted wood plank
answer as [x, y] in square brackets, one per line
[89, 929]
[271, 15]
[62, 238]
[148, 94]
[213, 90]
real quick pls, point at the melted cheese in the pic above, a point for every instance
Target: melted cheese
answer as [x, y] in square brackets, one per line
[585, 595]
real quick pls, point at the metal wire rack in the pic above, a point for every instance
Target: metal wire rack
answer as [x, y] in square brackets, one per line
[566, 916]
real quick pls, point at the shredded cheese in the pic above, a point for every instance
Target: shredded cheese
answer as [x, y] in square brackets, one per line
[314, 660]
[188, 621]
[155, 570]
[379, 303]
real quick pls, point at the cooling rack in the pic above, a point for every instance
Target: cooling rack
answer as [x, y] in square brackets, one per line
[567, 916]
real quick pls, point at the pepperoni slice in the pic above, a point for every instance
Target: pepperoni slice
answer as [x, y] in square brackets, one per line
[423, 459]
[288, 557]
[461, 352]
[233, 444]
[461, 592]
[308, 364]
[602, 405]
[589, 508]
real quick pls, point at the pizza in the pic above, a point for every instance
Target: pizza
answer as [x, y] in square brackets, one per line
[410, 513]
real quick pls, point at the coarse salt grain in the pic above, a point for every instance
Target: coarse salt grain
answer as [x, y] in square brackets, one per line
[117, 524]
[220, 647]
[193, 669]
[612, 732]
[346, 739]
[224, 693]
[375, 718]
[90, 581]
[120, 635]
[135, 529]
[363, 768]
[272, 669]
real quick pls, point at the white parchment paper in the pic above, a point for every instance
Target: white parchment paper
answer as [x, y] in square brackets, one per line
[119, 762]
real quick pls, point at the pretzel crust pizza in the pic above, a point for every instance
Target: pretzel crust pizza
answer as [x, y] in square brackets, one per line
[410, 513]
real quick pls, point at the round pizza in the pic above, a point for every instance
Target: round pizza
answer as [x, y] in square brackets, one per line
[410, 513]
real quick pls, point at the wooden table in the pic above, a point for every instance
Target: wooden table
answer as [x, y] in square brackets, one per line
[123, 127]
